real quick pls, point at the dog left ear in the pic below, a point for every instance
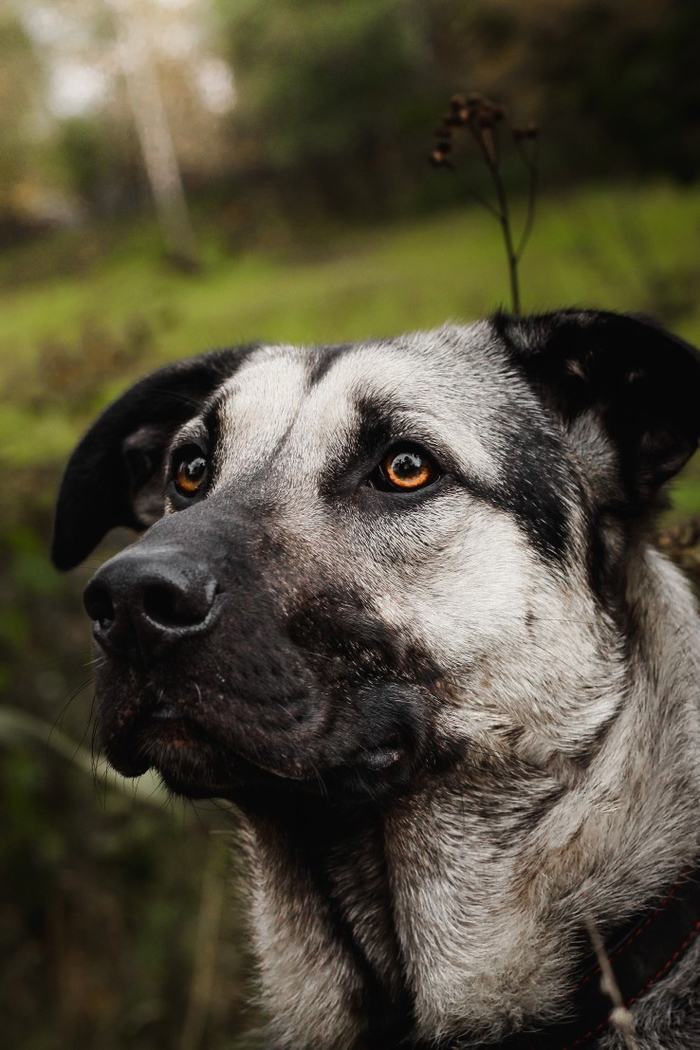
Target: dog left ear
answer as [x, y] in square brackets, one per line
[641, 381]
[114, 476]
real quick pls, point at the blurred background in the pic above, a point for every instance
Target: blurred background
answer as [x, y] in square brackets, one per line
[177, 175]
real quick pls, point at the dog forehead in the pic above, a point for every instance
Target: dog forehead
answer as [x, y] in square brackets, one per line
[304, 402]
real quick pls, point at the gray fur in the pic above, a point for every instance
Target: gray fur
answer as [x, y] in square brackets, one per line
[549, 686]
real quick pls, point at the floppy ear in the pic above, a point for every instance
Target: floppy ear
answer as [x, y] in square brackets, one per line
[114, 475]
[642, 382]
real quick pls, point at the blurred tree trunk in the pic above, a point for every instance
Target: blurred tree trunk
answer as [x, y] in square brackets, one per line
[155, 139]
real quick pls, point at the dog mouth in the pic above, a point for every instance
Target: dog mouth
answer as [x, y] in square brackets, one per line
[199, 761]
[195, 762]
[189, 758]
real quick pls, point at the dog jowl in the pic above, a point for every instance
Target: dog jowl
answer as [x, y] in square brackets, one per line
[396, 601]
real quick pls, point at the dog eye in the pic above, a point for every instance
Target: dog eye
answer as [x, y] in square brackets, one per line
[189, 471]
[405, 468]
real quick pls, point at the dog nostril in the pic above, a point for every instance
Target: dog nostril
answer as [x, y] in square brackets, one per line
[170, 607]
[99, 605]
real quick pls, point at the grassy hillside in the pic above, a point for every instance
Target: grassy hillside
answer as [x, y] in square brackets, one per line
[615, 248]
[97, 317]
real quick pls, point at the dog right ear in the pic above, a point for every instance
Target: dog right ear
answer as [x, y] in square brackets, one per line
[114, 475]
[641, 383]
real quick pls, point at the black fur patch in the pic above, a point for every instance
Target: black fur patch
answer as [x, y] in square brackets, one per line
[324, 358]
[371, 435]
[342, 623]
[534, 491]
[212, 422]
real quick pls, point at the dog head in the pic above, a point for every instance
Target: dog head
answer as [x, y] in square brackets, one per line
[361, 562]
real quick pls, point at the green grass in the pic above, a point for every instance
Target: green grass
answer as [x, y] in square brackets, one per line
[625, 248]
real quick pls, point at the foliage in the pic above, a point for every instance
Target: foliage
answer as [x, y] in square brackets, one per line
[629, 77]
[339, 98]
[334, 101]
[325, 91]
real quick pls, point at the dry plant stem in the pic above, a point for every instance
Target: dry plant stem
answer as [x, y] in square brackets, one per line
[508, 240]
[475, 193]
[620, 1017]
[482, 117]
[530, 163]
[489, 151]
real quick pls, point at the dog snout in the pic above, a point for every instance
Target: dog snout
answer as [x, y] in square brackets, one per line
[143, 600]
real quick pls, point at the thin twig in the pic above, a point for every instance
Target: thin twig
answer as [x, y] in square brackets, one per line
[620, 1017]
[484, 201]
[485, 139]
[531, 163]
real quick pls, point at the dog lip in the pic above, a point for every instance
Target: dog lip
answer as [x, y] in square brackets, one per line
[127, 763]
[293, 771]
[169, 724]
[166, 736]
[164, 730]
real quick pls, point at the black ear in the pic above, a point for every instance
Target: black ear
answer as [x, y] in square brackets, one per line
[642, 382]
[113, 477]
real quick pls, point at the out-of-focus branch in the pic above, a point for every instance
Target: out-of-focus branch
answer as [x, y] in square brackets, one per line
[19, 727]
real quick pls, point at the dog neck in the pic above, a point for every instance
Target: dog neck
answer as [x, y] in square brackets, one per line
[459, 908]
[322, 901]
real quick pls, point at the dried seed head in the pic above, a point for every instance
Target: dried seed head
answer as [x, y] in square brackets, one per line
[438, 158]
[456, 118]
[457, 102]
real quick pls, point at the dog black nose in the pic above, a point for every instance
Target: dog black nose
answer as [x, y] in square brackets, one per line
[144, 598]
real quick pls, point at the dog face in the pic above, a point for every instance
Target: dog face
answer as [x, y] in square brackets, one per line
[362, 563]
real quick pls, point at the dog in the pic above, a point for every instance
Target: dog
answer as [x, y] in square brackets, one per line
[397, 601]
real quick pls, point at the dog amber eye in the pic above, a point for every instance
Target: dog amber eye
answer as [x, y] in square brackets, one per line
[190, 473]
[407, 467]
